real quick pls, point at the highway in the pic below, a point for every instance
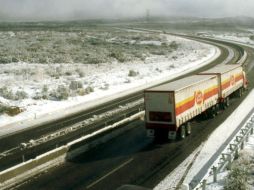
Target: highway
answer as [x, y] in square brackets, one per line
[132, 158]
[14, 140]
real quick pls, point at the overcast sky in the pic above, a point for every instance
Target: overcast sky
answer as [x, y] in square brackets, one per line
[90, 9]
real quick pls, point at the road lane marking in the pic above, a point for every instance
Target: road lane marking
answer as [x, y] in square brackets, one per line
[108, 174]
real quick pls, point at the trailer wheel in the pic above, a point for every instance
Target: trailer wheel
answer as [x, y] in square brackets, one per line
[182, 132]
[227, 102]
[240, 92]
[188, 128]
[212, 112]
[217, 109]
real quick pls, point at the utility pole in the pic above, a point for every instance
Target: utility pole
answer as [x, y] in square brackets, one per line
[147, 15]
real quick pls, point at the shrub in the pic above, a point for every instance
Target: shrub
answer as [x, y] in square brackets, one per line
[6, 93]
[173, 45]
[133, 73]
[252, 38]
[20, 95]
[68, 73]
[237, 179]
[81, 92]
[89, 89]
[44, 92]
[5, 60]
[80, 72]
[118, 55]
[238, 176]
[61, 93]
[12, 111]
[3, 108]
[74, 85]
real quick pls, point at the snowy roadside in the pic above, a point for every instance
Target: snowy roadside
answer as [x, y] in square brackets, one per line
[110, 82]
[240, 38]
[208, 150]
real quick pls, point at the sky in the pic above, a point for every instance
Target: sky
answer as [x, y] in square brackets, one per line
[26, 10]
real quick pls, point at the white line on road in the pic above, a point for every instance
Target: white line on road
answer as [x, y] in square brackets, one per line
[111, 172]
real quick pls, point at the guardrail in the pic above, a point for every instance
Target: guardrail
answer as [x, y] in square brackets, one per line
[243, 58]
[231, 152]
[77, 129]
[32, 167]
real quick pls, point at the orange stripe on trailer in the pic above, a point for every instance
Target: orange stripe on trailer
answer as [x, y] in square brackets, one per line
[211, 92]
[183, 102]
[230, 82]
[190, 102]
[239, 77]
[187, 105]
[225, 84]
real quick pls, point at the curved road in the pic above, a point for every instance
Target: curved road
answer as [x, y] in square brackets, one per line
[14, 140]
[132, 158]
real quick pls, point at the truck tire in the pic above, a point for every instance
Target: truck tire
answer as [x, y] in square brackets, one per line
[227, 103]
[240, 93]
[217, 107]
[188, 128]
[212, 112]
[182, 132]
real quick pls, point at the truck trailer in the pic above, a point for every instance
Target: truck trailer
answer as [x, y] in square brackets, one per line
[170, 107]
[232, 80]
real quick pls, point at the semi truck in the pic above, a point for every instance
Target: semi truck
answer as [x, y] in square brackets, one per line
[170, 107]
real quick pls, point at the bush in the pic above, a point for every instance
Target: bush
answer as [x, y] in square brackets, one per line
[20, 95]
[89, 89]
[80, 73]
[237, 179]
[44, 92]
[5, 60]
[12, 111]
[6, 93]
[238, 176]
[81, 92]
[118, 55]
[74, 85]
[252, 38]
[61, 93]
[3, 108]
[133, 73]
[174, 45]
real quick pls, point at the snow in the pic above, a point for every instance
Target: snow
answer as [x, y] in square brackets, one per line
[174, 178]
[243, 37]
[106, 79]
[207, 150]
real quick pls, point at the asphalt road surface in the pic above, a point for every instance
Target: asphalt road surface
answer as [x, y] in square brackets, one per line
[132, 158]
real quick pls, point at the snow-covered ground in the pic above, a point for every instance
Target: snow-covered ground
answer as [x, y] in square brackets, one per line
[245, 37]
[97, 80]
[208, 149]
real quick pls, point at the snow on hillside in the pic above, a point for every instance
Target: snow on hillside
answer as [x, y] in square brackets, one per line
[32, 86]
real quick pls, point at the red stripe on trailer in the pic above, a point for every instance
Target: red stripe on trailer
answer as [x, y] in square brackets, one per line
[238, 78]
[225, 85]
[210, 93]
[185, 106]
[188, 105]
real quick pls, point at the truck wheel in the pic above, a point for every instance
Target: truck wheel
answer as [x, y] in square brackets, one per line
[227, 102]
[182, 133]
[188, 128]
[240, 93]
[212, 112]
[217, 109]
